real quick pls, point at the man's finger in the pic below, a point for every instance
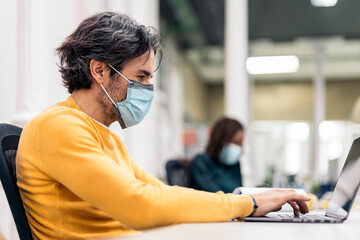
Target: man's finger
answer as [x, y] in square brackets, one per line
[296, 207]
[303, 207]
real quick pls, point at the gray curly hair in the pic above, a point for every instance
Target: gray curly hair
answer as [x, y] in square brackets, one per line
[107, 37]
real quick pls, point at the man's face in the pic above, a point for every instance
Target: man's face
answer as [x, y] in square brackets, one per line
[138, 69]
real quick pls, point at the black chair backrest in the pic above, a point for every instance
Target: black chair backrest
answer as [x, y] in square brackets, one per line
[177, 172]
[9, 140]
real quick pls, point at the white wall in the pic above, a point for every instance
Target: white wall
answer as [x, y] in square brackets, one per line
[8, 96]
[7, 224]
[8, 60]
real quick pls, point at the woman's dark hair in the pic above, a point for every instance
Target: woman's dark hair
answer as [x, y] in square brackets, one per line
[108, 37]
[222, 133]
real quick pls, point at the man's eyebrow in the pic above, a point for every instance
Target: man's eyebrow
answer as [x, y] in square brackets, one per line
[145, 72]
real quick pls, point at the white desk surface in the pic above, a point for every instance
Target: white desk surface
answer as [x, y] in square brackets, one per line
[349, 230]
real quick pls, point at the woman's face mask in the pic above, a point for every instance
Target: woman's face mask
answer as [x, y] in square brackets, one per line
[230, 154]
[134, 108]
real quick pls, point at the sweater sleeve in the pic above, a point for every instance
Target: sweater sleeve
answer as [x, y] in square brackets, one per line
[72, 156]
[144, 176]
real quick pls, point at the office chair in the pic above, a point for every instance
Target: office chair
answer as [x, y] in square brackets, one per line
[177, 172]
[9, 140]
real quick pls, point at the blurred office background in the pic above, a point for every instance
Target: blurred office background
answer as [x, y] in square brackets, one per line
[301, 111]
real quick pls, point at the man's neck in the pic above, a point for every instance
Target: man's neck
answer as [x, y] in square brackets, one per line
[86, 101]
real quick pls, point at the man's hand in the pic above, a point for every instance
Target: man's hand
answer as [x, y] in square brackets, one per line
[274, 199]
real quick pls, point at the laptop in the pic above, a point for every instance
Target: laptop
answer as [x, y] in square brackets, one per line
[341, 200]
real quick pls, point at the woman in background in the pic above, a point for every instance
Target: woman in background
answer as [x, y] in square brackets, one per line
[218, 169]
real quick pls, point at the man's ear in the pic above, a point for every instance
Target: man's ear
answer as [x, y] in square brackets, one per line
[97, 70]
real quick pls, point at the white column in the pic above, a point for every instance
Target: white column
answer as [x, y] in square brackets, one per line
[236, 53]
[33, 62]
[236, 82]
[320, 164]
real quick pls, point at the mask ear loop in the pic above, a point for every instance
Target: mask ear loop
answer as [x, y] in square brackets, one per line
[107, 94]
[120, 74]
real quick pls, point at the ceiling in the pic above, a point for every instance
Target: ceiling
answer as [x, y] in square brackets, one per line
[276, 27]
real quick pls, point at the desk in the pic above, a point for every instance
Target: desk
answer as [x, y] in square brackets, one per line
[349, 230]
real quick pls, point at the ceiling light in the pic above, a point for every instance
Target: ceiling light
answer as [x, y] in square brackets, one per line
[323, 3]
[272, 64]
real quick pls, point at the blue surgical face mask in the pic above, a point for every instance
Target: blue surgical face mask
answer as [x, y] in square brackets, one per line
[133, 109]
[230, 154]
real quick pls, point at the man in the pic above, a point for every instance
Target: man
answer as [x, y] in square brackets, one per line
[76, 178]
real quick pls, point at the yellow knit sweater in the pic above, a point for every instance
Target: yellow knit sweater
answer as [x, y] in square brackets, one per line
[77, 181]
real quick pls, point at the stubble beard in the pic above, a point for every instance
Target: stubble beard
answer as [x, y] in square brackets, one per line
[107, 104]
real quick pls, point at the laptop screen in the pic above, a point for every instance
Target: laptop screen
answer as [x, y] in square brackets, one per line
[347, 184]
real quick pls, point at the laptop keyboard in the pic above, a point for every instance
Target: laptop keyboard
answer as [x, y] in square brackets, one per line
[306, 218]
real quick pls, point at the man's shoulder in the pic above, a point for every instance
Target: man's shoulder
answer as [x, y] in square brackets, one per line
[52, 124]
[59, 115]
